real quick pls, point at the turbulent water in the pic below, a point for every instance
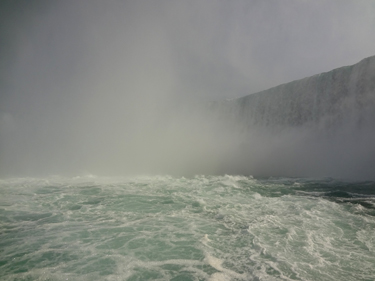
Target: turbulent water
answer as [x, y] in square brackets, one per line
[201, 228]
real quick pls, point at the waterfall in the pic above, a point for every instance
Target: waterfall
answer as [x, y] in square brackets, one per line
[323, 125]
[331, 100]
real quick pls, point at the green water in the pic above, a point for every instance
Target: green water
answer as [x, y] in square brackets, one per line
[201, 228]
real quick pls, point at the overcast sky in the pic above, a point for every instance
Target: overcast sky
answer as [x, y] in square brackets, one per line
[68, 64]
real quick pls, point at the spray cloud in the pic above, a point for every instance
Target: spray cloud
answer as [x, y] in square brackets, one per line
[121, 87]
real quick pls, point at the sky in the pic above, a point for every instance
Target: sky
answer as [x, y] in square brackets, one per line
[93, 86]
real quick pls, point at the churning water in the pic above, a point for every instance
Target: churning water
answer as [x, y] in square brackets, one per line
[201, 228]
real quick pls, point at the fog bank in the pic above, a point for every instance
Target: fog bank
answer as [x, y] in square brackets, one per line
[125, 87]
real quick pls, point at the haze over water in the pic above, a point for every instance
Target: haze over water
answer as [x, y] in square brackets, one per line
[122, 87]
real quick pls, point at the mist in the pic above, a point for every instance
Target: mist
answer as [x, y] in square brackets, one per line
[123, 87]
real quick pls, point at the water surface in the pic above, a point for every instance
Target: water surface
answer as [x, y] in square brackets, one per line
[201, 228]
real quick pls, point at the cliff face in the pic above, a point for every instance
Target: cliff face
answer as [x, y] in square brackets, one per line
[328, 100]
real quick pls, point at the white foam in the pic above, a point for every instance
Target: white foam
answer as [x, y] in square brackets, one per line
[235, 233]
[224, 274]
[219, 276]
